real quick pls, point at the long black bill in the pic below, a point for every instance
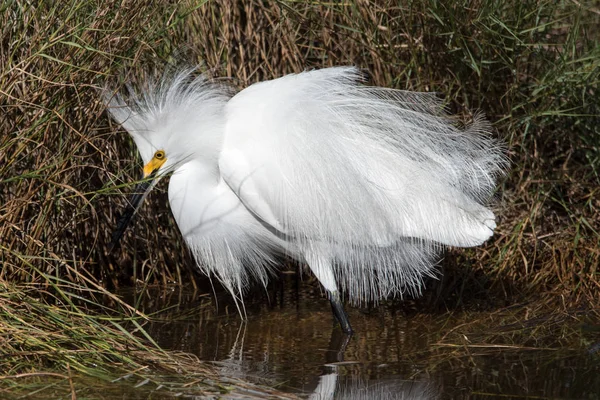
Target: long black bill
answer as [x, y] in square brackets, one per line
[136, 199]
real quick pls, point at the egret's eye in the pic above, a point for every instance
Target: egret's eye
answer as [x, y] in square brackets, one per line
[159, 155]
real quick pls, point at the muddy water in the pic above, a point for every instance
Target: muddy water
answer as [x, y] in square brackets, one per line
[289, 342]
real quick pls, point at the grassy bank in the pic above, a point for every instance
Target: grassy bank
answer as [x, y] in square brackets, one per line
[532, 67]
[57, 343]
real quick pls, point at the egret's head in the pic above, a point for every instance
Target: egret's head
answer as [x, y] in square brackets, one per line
[172, 121]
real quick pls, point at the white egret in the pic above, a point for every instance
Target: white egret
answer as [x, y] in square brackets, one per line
[363, 184]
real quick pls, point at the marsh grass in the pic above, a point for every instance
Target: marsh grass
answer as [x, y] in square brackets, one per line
[62, 339]
[532, 67]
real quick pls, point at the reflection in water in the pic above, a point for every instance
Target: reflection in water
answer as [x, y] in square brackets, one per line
[337, 378]
[334, 386]
[289, 342]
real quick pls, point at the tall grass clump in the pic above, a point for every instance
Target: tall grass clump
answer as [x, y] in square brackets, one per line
[532, 67]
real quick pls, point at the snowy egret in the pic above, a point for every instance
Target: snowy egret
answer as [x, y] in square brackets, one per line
[363, 184]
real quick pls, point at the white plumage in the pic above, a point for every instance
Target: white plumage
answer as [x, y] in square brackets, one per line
[364, 184]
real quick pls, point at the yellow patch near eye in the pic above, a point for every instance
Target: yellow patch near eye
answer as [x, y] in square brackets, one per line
[157, 161]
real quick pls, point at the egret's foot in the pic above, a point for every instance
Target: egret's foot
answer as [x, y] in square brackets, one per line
[339, 312]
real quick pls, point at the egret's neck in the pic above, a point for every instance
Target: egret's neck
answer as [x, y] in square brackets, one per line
[199, 172]
[199, 198]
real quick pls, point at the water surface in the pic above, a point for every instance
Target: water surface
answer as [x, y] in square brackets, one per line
[289, 342]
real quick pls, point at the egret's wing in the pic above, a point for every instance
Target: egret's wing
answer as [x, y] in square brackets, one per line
[247, 181]
[320, 157]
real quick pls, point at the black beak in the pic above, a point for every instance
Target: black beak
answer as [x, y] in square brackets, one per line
[135, 201]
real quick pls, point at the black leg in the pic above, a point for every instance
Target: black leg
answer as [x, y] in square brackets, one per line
[337, 346]
[339, 312]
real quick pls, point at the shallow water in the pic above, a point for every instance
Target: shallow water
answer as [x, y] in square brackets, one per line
[289, 342]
